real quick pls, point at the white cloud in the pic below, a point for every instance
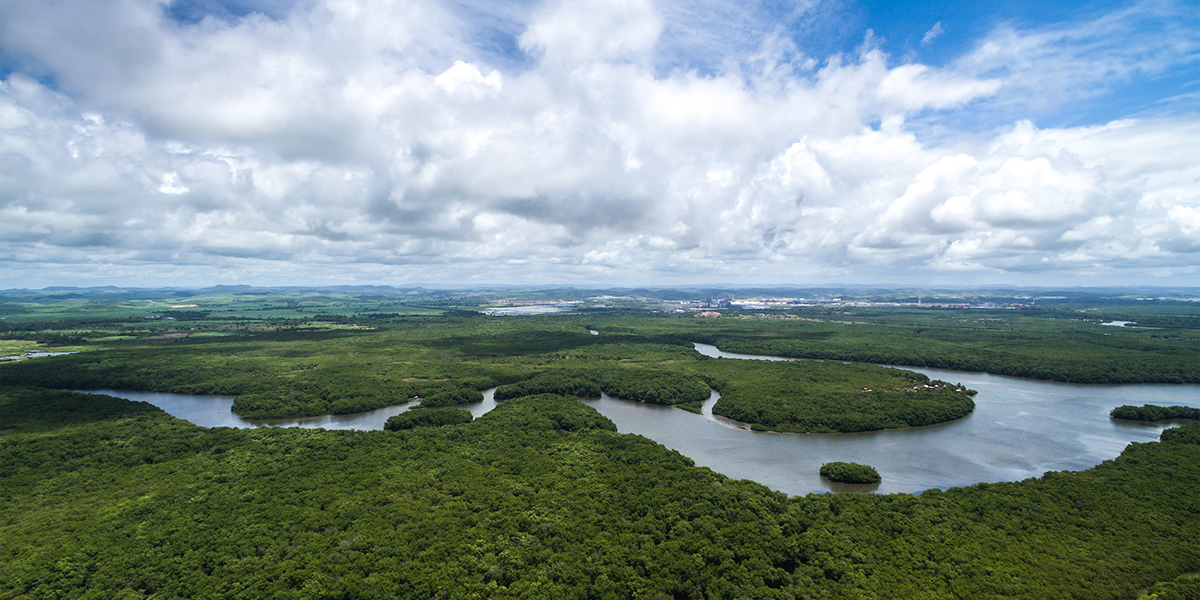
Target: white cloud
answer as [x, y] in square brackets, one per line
[1050, 66]
[932, 34]
[372, 141]
[576, 32]
[467, 78]
[170, 185]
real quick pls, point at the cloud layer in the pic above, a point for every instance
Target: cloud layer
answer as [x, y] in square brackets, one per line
[381, 142]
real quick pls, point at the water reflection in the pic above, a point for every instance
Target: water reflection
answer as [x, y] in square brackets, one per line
[34, 354]
[850, 488]
[214, 411]
[1020, 428]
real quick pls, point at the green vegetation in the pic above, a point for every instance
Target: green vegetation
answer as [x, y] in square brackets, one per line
[580, 384]
[313, 353]
[1055, 337]
[1185, 587]
[1047, 347]
[656, 387]
[284, 374]
[452, 397]
[812, 396]
[446, 360]
[428, 417]
[1182, 435]
[652, 386]
[548, 412]
[16, 347]
[1150, 412]
[539, 498]
[849, 472]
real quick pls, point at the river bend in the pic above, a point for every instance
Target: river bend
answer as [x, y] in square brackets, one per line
[1020, 428]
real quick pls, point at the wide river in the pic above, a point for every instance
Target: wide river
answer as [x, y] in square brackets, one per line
[1020, 428]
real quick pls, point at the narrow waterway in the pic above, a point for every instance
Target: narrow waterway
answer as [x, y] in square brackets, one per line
[215, 411]
[1020, 428]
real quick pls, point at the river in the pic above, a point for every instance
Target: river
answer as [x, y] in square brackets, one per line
[1020, 428]
[216, 411]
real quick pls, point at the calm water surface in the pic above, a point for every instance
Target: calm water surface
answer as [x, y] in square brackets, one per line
[1020, 428]
[214, 411]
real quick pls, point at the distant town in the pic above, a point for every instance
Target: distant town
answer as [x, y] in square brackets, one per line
[730, 301]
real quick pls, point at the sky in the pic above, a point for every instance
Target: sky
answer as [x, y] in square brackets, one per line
[154, 143]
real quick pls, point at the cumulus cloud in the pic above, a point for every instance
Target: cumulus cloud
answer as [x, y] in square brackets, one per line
[375, 141]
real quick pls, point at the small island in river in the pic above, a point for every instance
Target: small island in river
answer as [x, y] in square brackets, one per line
[850, 472]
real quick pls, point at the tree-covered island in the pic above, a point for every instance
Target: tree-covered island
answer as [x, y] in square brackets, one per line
[849, 472]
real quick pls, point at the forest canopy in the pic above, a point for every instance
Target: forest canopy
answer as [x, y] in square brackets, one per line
[542, 497]
[428, 417]
[1151, 412]
[448, 361]
[539, 498]
[850, 472]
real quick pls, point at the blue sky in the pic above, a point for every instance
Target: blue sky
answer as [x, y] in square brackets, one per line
[599, 142]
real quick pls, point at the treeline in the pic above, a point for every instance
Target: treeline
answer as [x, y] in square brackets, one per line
[1020, 344]
[564, 383]
[270, 379]
[811, 396]
[540, 498]
[357, 317]
[1049, 357]
[651, 386]
[850, 472]
[293, 374]
[448, 359]
[452, 397]
[428, 417]
[1150, 412]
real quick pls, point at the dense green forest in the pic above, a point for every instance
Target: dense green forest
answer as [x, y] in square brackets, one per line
[813, 396]
[1059, 337]
[1150, 412]
[427, 417]
[849, 472]
[542, 497]
[1014, 345]
[451, 398]
[539, 498]
[447, 360]
[281, 364]
[1186, 587]
[652, 386]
